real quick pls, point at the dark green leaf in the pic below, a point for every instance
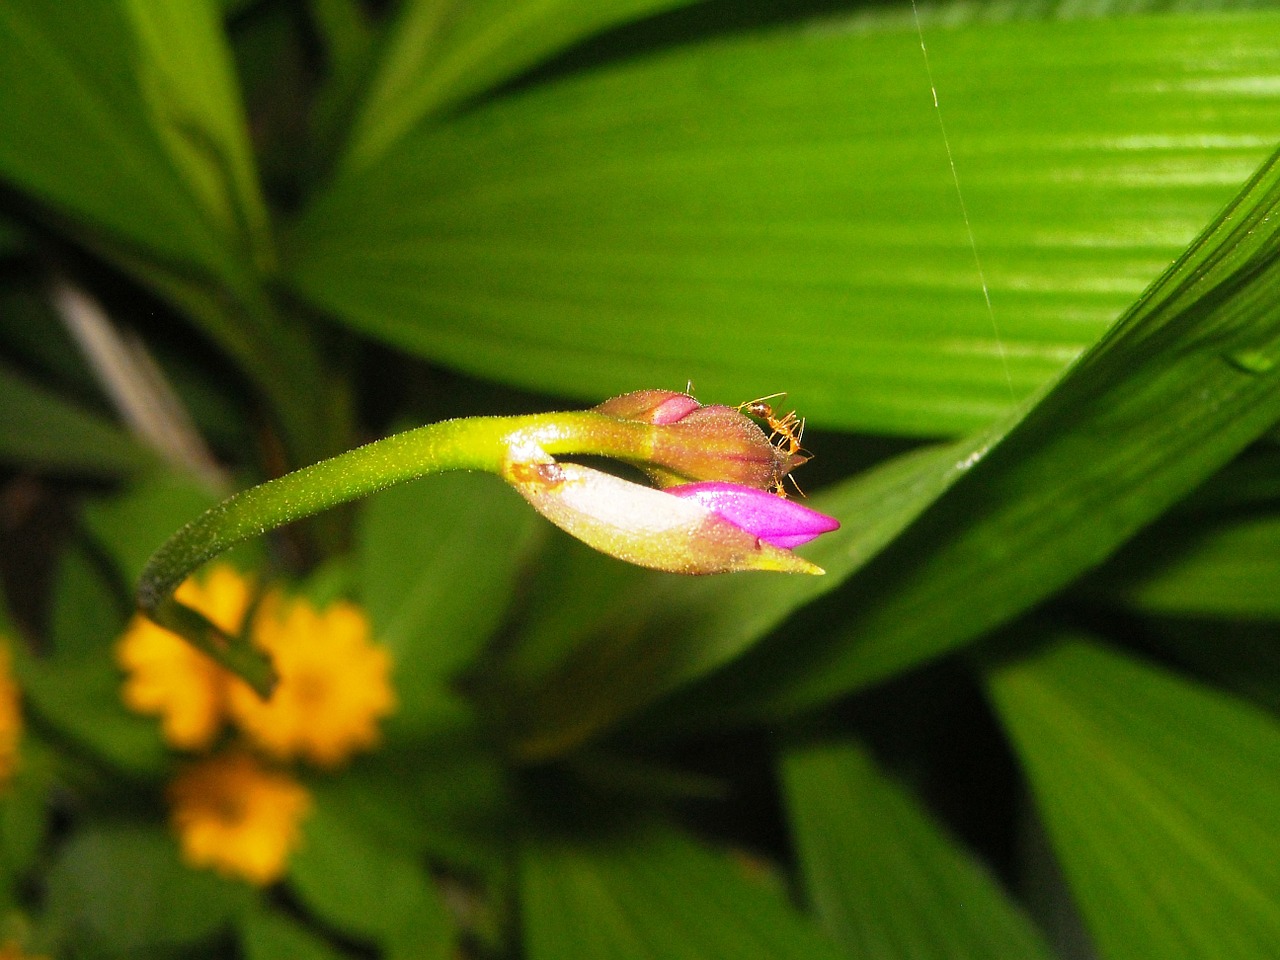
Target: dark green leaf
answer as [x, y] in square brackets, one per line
[650, 892]
[77, 700]
[13, 239]
[40, 429]
[368, 889]
[438, 560]
[121, 889]
[24, 817]
[125, 115]
[1242, 657]
[776, 212]
[88, 609]
[35, 339]
[439, 788]
[438, 53]
[274, 936]
[1185, 381]
[884, 879]
[1162, 800]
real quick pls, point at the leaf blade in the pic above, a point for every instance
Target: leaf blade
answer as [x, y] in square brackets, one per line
[1118, 440]
[1160, 798]
[652, 893]
[778, 210]
[885, 880]
[439, 53]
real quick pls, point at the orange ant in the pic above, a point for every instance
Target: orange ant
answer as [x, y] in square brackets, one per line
[788, 432]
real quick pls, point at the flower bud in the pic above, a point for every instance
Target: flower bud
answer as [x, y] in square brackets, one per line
[696, 443]
[650, 406]
[677, 533]
[776, 520]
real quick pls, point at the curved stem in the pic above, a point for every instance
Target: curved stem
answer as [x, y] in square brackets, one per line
[479, 443]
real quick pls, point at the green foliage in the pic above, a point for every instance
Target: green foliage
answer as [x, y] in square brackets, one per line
[650, 892]
[117, 889]
[369, 891]
[552, 238]
[1159, 795]
[322, 220]
[884, 880]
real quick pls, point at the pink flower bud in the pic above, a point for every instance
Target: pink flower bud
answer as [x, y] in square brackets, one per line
[652, 528]
[693, 442]
[650, 406]
[776, 520]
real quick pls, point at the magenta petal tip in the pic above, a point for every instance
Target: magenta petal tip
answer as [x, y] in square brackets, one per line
[775, 520]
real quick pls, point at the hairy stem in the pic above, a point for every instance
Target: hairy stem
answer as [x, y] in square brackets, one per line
[479, 443]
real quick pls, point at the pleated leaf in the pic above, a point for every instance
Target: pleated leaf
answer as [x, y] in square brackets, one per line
[884, 878]
[369, 890]
[124, 116]
[776, 212]
[652, 893]
[1185, 381]
[1162, 800]
[439, 52]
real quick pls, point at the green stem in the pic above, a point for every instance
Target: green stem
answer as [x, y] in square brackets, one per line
[479, 443]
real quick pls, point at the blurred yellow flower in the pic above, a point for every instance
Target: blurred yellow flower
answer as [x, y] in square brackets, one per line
[334, 683]
[237, 817]
[169, 678]
[10, 717]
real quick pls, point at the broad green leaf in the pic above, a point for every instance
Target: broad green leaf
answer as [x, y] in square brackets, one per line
[78, 703]
[273, 935]
[121, 889]
[42, 430]
[25, 812]
[1183, 382]
[883, 877]
[186, 77]
[438, 560]
[1228, 568]
[438, 789]
[122, 115]
[369, 890]
[649, 892]
[123, 121]
[439, 52]
[87, 607]
[776, 212]
[1162, 799]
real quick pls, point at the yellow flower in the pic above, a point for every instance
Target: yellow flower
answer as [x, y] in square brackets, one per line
[169, 678]
[233, 815]
[10, 717]
[333, 687]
